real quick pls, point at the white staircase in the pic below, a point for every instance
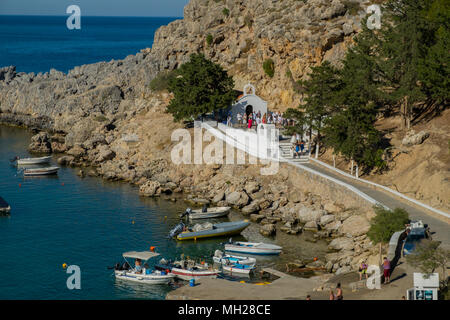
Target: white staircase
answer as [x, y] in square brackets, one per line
[286, 154]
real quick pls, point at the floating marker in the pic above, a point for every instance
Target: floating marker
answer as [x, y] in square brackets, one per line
[64, 265]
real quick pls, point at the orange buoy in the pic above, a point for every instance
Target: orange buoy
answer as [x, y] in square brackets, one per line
[20, 185]
[152, 249]
[315, 259]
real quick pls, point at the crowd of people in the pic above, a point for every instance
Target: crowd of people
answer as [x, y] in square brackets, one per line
[252, 119]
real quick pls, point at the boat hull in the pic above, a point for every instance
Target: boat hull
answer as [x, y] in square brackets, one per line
[40, 172]
[211, 213]
[235, 259]
[6, 210]
[235, 269]
[194, 274]
[30, 161]
[222, 229]
[144, 278]
[254, 249]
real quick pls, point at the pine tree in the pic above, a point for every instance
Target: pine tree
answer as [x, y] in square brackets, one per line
[199, 87]
[435, 69]
[403, 36]
[351, 130]
[321, 90]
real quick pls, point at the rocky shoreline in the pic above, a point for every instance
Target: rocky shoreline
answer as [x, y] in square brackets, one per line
[274, 202]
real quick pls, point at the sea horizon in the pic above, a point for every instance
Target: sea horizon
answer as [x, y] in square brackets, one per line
[39, 43]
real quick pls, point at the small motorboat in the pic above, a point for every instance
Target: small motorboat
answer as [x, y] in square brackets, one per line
[30, 161]
[5, 208]
[253, 248]
[221, 258]
[208, 230]
[238, 268]
[141, 274]
[40, 171]
[189, 269]
[207, 213]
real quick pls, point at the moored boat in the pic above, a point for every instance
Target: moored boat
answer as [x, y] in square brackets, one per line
[141, 274]
[238, 268]
[253, 248]
[5, 208]
[209, 230]
[208, 213]
[221, 258]
[29, 161]
[41, 171]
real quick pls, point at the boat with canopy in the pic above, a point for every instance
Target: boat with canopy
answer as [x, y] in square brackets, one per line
[141, 273]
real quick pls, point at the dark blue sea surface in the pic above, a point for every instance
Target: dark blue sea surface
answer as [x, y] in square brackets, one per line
[39, 43]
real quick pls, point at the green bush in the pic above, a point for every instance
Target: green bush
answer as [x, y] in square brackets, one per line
[269, 67]
[209, 39]
[386, 223]
[226, 12]
[161, 81]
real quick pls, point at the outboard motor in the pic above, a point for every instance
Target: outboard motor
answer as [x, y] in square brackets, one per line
[176, 230]
[126, 266]
[117, 267]
[186, 213]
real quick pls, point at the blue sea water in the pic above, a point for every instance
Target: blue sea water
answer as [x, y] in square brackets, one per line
[39, 43]
[86, 222]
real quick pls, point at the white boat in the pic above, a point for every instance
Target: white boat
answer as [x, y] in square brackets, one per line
[28, 161]
[41, 171]
[238, 268]
[207, 213]
[5, 208]
[189, 269]
[221, 258]
[195, 273]
[253, 248]
[142, 275]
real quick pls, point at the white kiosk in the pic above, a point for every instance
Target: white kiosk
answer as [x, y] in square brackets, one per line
[426, 287]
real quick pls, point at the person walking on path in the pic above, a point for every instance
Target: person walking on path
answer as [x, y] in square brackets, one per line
[362, 270]
[386, 270]
[332, 297]
[339, 295]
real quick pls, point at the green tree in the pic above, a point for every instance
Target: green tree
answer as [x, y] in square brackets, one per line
[351, 129]
[386, 223]
[403, 46]
[428, 257]
[321, 89]
[435, 69]
[199, 87]
[299, 119]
